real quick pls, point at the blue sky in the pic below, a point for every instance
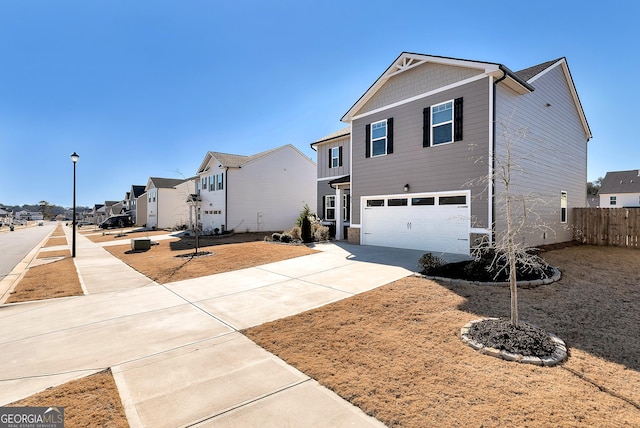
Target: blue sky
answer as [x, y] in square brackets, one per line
[145, 88]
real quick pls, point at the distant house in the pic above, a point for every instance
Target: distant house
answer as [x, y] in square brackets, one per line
[620, 189]
[261, 192]
[28, 215]
[167, 205]
[424, 142]
[131, 200]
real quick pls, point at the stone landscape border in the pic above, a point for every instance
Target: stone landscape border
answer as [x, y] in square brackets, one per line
[558, 355]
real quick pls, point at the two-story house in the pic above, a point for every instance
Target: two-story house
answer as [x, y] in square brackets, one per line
[620, 189]
[131, 200]
[428, 145]
[261, 192]
[166, 202]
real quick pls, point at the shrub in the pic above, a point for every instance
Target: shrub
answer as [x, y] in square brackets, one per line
[428, 263]
[275, 237]
[306, 230]
[321, 233]
[286, 238]
[296, 233]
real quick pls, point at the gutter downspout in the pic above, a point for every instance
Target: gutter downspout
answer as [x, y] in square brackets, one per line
[226, 197]
[493, 160]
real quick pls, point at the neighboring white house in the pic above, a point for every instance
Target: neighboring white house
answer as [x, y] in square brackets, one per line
[28, 215]
[167, 205]
[261, 192]
[620, 189]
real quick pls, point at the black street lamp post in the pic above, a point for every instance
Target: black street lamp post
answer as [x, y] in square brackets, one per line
[74, 159]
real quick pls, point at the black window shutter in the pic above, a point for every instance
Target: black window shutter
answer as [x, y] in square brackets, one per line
[390, 135]
[330, 160]
[426, 127]
[457, 119]
[367, 141]
[324, 206]
[348, 207]
[340, 156]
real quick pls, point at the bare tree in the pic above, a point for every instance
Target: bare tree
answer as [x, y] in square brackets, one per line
[518, 208]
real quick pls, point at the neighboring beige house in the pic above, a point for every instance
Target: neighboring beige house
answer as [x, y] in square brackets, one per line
[131, 201]
[424, 145]
[620, 189]
[261, 192]
[166, 202]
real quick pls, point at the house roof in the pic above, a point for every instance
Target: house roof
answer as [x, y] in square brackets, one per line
[341, 180]
[165, 183]
[228, 160]
[522, 81]
[621, 182]
[338, 134]
[137, 190]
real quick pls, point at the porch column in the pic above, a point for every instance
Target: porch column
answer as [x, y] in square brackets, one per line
[339, 216]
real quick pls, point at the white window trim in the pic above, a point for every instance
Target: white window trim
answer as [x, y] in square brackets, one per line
[564, 206]
[433, 143]
[613, 200]
[327, 207]
[335, 157]
[386, 137]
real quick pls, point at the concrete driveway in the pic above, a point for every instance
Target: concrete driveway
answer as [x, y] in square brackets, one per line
[175, 350]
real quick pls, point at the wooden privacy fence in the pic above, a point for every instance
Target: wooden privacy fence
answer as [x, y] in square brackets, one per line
[619, 227]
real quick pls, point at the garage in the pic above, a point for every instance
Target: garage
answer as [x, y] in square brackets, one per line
[438, 222]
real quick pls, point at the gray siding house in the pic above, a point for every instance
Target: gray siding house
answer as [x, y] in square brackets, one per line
[429, 139]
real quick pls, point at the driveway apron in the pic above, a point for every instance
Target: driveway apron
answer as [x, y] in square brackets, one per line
[175, 350]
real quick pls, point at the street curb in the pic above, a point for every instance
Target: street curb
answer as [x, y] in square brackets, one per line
[9, 282]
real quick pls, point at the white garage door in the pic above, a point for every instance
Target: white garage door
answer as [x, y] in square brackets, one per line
[437, 222]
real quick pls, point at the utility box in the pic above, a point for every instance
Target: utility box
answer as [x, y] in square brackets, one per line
[140, 244]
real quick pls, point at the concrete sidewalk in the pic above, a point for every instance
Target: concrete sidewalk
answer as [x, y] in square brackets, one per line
[175, 350]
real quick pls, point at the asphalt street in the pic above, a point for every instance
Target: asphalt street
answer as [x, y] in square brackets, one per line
[14, 246]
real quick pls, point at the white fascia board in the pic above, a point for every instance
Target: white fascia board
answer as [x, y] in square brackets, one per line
[333, 177]
[420, 96]
[404, 63]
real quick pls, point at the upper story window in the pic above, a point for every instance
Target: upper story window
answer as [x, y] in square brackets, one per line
[442, 123]
[379, 138]
[220, 181]
[335, 157]
[212, 183]
[612, 200]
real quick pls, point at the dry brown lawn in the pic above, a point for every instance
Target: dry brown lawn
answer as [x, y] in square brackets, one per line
[396, 352]
[89, 402]
[161, 264]
[53, 241]
[56, 279]
[53, 254]
[115, 234]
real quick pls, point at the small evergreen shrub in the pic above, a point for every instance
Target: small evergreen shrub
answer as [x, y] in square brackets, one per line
[306, 230]
[428, 263]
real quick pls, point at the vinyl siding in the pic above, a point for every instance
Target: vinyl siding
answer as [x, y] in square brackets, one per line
[323, 158]
[623, 200]
[446, 167]
[277, 186]
[552, 157]
[418, 80]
